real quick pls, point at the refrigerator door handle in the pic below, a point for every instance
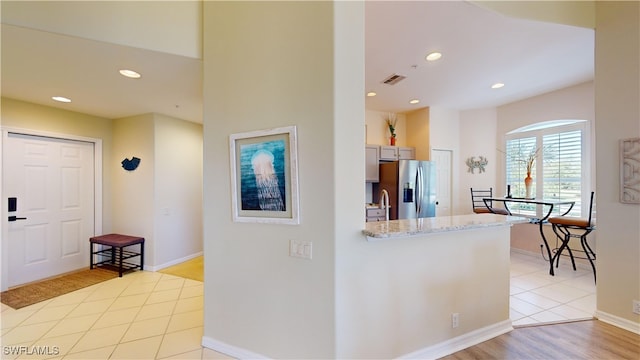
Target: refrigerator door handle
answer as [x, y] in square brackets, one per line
[419, 179]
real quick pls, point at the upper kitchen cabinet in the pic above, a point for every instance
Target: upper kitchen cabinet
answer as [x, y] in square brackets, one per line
[372, 155]
[392, 153]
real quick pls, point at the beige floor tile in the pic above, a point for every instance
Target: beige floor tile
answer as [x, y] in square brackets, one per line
[92, 307]
[137, 288]
[140, 349]
[561, 292]
[73, 325]
[56, 346]
[117, 317]
[569, 312]
[167, 283]
[98, 338]
[191, 282]
[548, 317]
[27, 333]
[208, 354]
[538, 300]
[180, 342]
[162, 296]
[191, 355]
[156, 310]
[74, 297]
[47, 314]
[192, 291]
[187, 320]
[189, 304]
[124, 302]
[146, 328]
[524, 307]
[93, 354]
[13, 317]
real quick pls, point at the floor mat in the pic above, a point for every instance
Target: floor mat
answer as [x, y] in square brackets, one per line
[44, 290]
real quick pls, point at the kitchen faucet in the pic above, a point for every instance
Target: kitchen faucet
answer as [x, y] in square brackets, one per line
[384, 203]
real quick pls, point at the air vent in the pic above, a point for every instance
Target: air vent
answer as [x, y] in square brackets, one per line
[394, 79]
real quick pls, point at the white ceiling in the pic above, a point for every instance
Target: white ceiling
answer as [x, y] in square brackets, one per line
[479, 48]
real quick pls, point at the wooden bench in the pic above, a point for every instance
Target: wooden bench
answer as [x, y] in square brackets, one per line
[116, 255]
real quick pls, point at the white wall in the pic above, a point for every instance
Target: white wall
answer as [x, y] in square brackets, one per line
[617, 90]
[572, 103]
[477, 138]
[178, 190]
[398, 295]
[173, 27]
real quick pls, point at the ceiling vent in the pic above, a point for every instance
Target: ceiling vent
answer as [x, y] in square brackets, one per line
[394, 79]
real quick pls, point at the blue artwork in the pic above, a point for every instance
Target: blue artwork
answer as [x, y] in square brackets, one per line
[262, 174]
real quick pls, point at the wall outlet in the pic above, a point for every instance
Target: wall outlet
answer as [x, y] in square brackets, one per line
[636, 307]
[455, 320]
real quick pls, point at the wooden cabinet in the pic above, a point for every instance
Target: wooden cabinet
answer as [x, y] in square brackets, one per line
[392, 153]
[372, 156]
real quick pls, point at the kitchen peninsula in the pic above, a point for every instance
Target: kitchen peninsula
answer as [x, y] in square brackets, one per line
[415, 276]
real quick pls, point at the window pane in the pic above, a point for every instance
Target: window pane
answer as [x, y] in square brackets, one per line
[562, 167]
[518, 151]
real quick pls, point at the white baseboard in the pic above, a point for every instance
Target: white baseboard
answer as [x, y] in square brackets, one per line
[230, 350]
[173, 262]
[461, 342]
[622, 323]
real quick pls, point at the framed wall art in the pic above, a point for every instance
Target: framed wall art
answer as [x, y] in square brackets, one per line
[630, 171]
[264, 176]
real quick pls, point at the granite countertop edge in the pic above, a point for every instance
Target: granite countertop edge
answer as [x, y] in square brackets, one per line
[383, 230]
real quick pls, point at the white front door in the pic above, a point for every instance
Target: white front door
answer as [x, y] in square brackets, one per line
[442, 159]
[52, 181]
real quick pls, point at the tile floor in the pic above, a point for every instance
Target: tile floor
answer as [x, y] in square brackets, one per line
[147, 315]
[143, 315]
[537, 297]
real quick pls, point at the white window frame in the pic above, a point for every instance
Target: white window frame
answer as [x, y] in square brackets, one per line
[538, 130]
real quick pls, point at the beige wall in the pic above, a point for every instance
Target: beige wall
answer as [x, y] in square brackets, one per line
[173, 27]
[133, 200]
[267, 65]
[178, 190]
[617, 91]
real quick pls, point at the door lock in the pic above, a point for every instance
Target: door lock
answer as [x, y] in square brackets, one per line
[15, 218]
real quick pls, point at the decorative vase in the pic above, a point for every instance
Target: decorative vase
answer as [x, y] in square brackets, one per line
[528, 181]
[392, 140]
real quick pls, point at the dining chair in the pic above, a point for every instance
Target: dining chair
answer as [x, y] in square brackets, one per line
[479, 206]
[567, 227]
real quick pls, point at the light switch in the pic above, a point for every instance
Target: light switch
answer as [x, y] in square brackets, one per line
[300, 249]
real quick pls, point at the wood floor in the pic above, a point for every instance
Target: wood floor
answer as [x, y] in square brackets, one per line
[591, 339]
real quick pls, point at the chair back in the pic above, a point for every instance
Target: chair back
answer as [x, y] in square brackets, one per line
[476, 199]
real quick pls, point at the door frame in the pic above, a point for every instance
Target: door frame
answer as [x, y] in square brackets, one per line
[97, 189]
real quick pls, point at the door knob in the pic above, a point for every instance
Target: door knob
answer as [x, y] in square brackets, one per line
[15, 218]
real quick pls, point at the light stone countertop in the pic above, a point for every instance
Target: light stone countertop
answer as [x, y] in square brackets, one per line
[383, 230]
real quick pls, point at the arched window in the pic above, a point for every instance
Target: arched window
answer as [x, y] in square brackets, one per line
[558, 171]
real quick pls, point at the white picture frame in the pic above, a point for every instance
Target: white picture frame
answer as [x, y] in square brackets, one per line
[264, 176]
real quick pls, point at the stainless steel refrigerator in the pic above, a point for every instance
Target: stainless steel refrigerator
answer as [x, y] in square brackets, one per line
[411, 185]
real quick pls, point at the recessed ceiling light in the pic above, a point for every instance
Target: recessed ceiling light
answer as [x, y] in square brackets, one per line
[433, 56]
[130, 74]
[414, 101]
[61, 99]
[372, 93]
[497, 85]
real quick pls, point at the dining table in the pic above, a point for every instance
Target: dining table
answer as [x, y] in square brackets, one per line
[547, 207]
